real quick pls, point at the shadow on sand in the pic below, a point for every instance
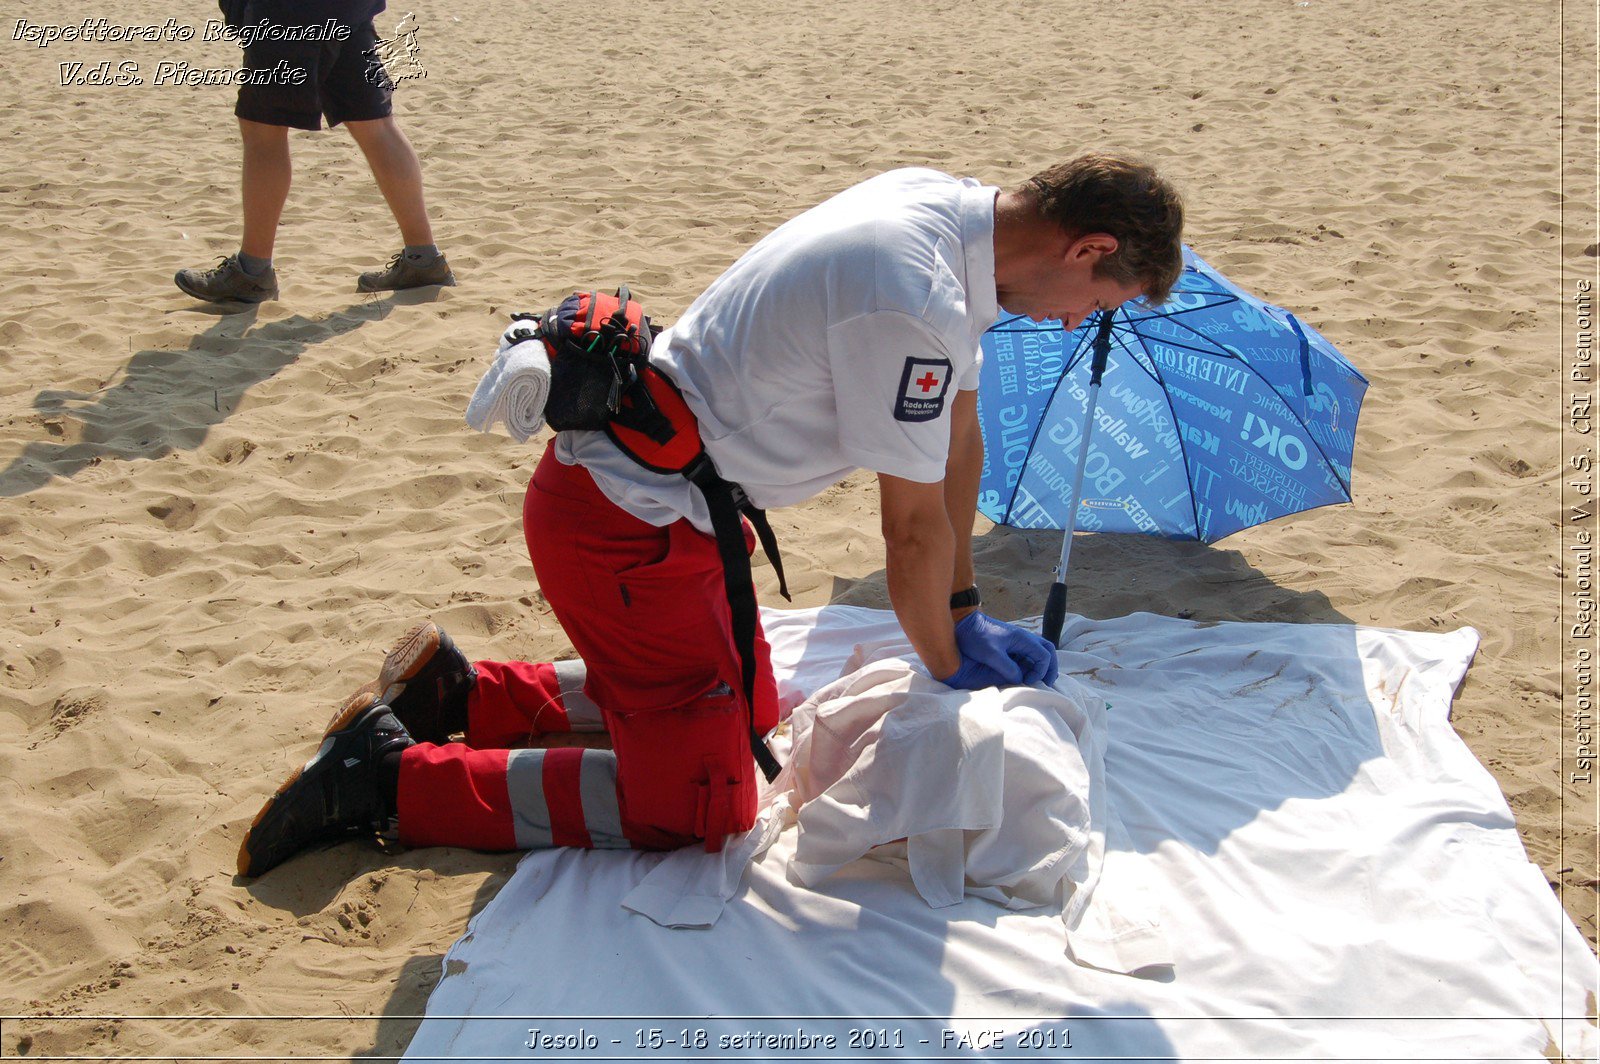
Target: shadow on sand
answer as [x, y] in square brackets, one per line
[1113, 575]
[168, 401]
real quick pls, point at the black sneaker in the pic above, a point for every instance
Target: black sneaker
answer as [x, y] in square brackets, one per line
[426, 681]
[228, 282]
[334, 796]
[403, 272]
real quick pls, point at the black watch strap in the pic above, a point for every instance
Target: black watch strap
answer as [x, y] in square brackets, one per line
[962, 599]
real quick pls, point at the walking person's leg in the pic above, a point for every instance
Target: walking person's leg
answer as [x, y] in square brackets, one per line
[265, 174]
[398, 172]
[263, 185]
[267, 108]
[359, 93]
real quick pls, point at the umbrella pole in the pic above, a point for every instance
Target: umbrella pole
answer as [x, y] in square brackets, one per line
[1055, 604]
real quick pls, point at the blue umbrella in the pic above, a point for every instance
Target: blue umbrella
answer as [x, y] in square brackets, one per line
[1221, 412]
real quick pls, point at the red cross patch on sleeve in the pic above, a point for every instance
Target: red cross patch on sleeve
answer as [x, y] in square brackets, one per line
[922, 388]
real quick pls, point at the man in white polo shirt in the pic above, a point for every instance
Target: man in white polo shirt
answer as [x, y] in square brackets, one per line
[846, 339]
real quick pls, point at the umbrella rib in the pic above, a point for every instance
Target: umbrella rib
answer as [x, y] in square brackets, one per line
[1072, 360]
[1154, 373]
[1166, 395]
[1191, 329]
[1122, 338]
[1183, 448]
[1257, 374]
[1325, 459]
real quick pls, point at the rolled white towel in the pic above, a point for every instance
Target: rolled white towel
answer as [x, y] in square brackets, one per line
[515, 388]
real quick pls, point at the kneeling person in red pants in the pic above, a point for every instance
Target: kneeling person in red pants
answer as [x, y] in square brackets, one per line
[644, 606]
[846, 339]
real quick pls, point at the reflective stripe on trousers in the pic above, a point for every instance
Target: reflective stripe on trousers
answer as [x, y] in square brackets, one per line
[646, 610]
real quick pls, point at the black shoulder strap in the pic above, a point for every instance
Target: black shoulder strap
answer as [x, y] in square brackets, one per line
[769, 544]
[726, 501]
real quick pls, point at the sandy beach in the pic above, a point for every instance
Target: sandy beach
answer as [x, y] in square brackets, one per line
[212, 524]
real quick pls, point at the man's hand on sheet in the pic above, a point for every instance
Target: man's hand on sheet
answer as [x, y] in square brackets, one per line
[996, 654]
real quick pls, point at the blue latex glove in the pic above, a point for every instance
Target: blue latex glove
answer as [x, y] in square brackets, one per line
[995, 654]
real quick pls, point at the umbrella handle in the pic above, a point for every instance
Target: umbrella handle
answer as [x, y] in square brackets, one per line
[1055, 605]
[1055, 613]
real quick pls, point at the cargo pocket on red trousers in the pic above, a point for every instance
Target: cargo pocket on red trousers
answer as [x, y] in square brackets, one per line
[683, 771]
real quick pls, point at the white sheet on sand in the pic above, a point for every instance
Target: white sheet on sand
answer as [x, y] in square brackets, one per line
[1257, 841]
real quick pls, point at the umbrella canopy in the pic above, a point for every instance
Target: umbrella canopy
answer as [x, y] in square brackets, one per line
[1219, 411]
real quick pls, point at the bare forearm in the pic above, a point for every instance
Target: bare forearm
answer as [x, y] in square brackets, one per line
[918, 569]
[927, 533]
[961, 502]
[963, 471]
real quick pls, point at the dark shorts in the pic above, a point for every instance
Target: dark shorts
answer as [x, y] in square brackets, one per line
[344, 81]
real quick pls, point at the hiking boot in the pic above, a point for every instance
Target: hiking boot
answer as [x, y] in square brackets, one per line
[227, 282]
[334, 796]
[426, 681]
[403, 272]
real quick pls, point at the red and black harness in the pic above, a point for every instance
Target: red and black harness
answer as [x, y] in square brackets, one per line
[601, 379]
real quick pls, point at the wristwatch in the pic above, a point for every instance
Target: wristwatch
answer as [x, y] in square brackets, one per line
[962, 599]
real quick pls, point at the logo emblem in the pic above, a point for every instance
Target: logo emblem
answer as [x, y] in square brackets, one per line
[922, 386]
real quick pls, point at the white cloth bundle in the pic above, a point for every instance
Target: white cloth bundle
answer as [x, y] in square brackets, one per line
[995, 792]
[515, 388]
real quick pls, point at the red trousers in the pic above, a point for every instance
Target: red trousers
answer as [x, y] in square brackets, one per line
[646, 610]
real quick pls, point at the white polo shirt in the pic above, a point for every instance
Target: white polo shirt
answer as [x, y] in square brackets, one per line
[836, 343]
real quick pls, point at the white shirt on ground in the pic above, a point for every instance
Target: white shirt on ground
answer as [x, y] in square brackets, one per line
[835, 344]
